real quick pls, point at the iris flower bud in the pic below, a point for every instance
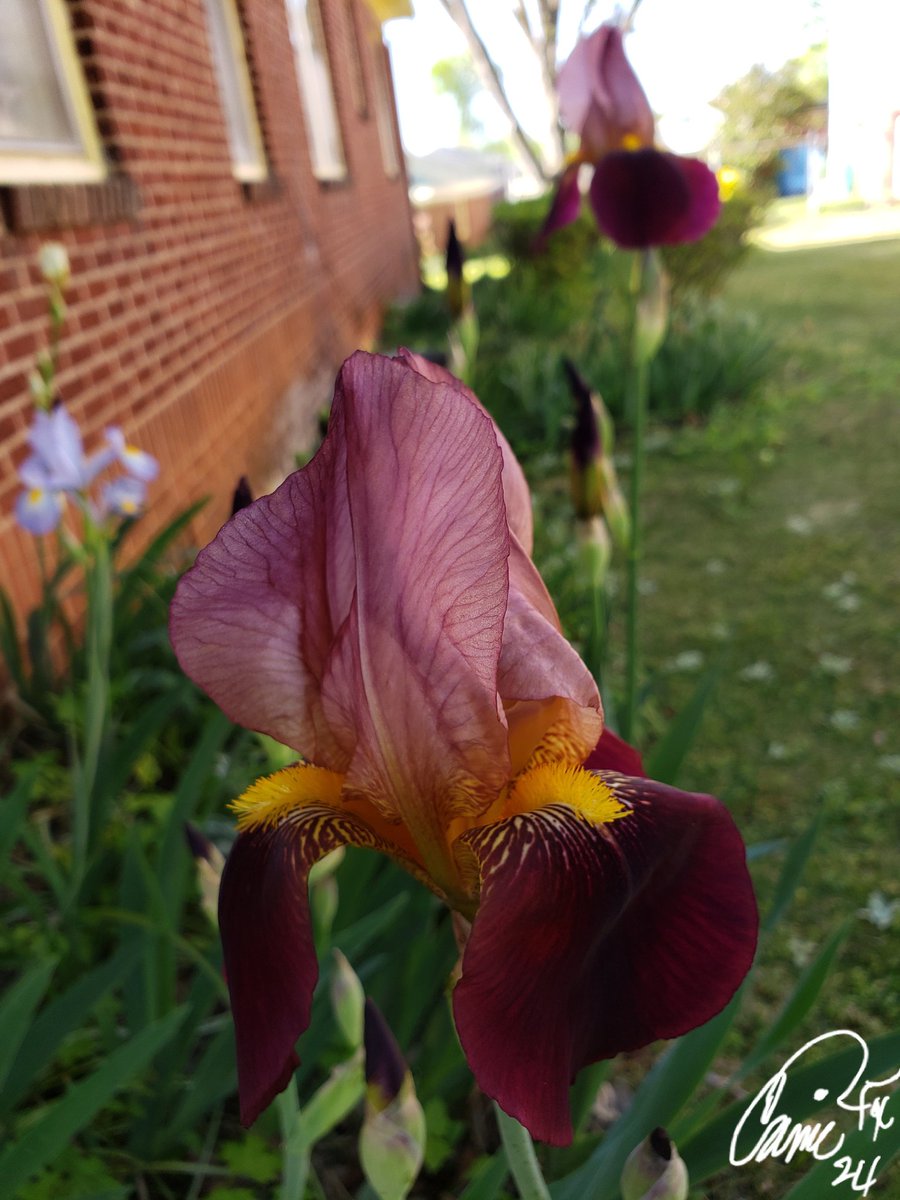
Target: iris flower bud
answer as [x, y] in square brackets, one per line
[457, 289]
[392, 1138]
[654, 1170]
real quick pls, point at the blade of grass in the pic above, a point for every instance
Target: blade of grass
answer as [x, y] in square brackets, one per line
[667, 759]
[791, 872]
[17, 1006]
[214, 1078]
[487, 1179]
[41, 1142]
[119, 763]
[174, 860]
[15, 808]
[10, 646]
[58, 1019]
[799, 1003]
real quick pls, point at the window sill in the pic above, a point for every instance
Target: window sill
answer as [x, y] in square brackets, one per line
[257, 191]
[39, 208]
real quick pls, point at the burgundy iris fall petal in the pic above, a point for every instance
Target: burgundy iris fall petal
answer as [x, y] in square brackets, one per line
[380, 613]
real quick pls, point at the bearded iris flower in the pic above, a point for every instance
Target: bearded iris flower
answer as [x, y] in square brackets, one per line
[641, 196]
[380, 614]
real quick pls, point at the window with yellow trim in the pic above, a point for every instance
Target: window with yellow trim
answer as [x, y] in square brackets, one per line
[48, 133]
[248, 159]
[316, 91]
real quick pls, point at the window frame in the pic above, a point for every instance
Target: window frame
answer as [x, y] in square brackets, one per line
[327, 169]
[384, 105]
[257, 169]
[56, 165]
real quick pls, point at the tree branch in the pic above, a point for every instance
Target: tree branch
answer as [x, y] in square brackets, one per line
[492, 81]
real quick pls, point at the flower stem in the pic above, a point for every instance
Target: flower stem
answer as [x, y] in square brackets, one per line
[638, 376]
[295, 1160]
[520, 1155]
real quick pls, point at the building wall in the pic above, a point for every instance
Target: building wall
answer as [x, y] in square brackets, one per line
[206, 317]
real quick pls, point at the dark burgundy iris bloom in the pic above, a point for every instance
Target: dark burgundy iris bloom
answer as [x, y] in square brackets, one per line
[380, 613]
[641, 196]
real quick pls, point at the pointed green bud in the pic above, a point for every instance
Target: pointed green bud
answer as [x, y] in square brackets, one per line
[53, 260]
[325, 866]
[654, 1170]
[210, 864]
[45, 368]
[595, 484]
[348, 1001]
[392, 1138]
[652, 307]
[594, 549]
[323, 903]
[40, 392]
[614, 505]
[458, 296]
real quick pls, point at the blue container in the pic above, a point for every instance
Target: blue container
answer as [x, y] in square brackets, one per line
[793, 178]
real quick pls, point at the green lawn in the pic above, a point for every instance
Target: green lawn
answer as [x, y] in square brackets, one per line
[772, 551]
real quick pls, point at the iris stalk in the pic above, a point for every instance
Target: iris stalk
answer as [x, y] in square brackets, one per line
[520, 1155]
[99, 643]
[638, 377]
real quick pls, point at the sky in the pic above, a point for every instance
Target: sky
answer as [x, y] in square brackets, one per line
[684, 51]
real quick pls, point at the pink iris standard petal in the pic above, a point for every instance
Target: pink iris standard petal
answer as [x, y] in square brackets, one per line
[414, 669]
[593, 940]
[705, 204]
[565, 207]
[604, 96]
[516, 494]
[639, 197]
[538, 664]
[254, 621]
[270, 958]
[576, 77]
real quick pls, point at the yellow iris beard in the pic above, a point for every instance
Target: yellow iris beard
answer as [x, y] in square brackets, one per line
[271, 798]
[557, 783]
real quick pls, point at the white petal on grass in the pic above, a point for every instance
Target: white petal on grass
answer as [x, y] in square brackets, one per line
[778, 751]
[687, 660]
[849, 602]
[801, 950]
[715, 566]
[890, 762]
[880, 911]
[834, 664]
[799, 524]
[757, 672]
[647, 587]
[845, 720]
[724, 487]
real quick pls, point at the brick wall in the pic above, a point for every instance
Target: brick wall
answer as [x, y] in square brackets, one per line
[206, 317]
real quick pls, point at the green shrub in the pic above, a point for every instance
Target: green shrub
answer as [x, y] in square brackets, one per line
[572, 301]
[703, 266]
